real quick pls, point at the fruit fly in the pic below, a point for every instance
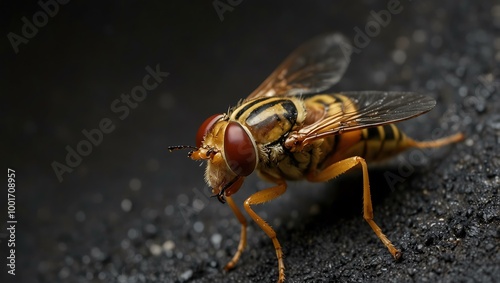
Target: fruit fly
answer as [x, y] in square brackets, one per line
[290, 129]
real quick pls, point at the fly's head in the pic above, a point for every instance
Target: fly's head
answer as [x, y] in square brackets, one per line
[230, 152]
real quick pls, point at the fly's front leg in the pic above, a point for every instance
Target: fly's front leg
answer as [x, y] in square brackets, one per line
[261, 197]
[341, 167]
[243, 236]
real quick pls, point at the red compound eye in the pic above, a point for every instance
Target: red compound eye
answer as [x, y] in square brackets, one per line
[205, 127]
[239, 150]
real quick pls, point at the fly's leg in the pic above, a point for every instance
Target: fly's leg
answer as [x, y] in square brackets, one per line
[437, 143]
[341, 167]
[243, 236]
[261, 197]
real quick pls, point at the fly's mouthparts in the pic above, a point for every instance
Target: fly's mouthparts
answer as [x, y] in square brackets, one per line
[220, 197]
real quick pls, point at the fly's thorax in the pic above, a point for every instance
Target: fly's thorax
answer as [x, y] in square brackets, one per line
[269, 119]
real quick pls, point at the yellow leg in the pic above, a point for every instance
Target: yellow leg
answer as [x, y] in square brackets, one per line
[341, 167]
[261, 197]
[243, 237]
[439, 142]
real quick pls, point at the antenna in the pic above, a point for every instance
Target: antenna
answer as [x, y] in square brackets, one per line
[177, 147]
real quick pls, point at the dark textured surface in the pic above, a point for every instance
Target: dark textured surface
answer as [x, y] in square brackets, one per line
[132, 212]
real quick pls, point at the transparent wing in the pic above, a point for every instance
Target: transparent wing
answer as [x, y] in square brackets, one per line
[313, 67]
[363, 109]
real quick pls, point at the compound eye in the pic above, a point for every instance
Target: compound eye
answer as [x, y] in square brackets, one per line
[239, 150]
[205, 127]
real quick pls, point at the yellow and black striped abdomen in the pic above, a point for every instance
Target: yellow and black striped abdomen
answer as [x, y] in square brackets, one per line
[373, 144]
[381, 142]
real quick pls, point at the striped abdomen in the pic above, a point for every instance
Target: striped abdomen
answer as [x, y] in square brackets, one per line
[373, 144]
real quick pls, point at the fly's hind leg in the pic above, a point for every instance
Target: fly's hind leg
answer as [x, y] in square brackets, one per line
[341, 167]
[437, 143]
[262, 197]
[243, 236]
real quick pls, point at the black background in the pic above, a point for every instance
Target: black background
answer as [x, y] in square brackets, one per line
[97, 225]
